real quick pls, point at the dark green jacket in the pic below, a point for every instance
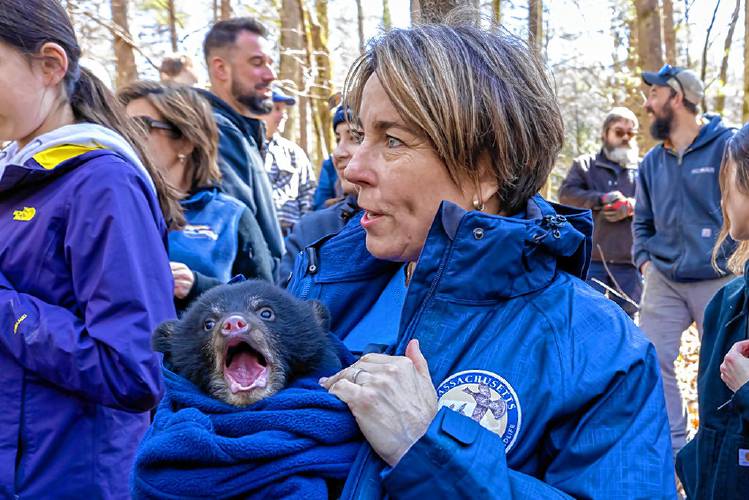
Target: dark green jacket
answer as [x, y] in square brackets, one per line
[709, 466]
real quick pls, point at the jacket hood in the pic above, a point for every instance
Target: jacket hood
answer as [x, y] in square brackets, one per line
[501, 257]
[710, 131]
[88, 136]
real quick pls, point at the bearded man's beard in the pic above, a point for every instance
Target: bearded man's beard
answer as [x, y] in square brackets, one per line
[623, 155]
[256, 104]
[660, 129]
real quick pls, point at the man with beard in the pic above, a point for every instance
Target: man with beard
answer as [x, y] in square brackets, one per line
[605, 183]
[237, 54]
[677, 221]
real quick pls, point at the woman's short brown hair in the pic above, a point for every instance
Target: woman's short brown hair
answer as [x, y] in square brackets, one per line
[191, 114]
[473, 93]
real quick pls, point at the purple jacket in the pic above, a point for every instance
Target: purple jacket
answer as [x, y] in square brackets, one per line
[84, 280]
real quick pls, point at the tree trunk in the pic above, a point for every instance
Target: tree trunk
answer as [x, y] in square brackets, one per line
[669, 33]
[123, 50]
[318, 59]
[649, 35]
[225, 10]
[535, 24]
[172, 24]
[633, 85]
[720, 100]
[497, 11]
[290, 75]
[745, 107]
[215, 10]
[435, 11]
[387, 20]
[360, 24]
[703, 71]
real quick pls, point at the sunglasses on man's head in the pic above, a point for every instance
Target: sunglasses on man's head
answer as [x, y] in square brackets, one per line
[149, 124]
[669, 71]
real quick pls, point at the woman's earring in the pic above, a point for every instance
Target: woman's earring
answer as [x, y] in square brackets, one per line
[182, 157]
[478, 204]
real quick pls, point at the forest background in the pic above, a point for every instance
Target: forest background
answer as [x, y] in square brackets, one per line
[595, 49]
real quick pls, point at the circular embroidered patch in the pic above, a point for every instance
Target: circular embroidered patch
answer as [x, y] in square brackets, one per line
[485, 397]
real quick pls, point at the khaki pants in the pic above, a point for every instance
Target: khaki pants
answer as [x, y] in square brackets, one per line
[667, 309]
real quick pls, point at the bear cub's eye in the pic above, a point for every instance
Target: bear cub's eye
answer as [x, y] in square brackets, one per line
[209, 324]
[266, 313]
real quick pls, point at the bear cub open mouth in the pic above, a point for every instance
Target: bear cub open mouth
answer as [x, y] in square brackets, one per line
[245, 368]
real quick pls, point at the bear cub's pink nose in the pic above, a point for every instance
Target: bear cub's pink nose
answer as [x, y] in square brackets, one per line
[234, 325]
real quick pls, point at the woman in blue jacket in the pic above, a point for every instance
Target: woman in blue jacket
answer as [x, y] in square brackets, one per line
[500, 373]
[715, 464]
[84, 273]
[221, 237]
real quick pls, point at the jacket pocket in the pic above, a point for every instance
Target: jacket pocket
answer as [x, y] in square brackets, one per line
[695, 464]
[732, 478]
[698, 241]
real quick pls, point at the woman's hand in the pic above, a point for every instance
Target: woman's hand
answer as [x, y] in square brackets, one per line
[184, 279]
[391, 397]
[734, 370]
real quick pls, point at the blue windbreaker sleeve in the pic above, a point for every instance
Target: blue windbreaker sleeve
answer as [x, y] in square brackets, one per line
[123, 290]
[617, 446]
[643, 227]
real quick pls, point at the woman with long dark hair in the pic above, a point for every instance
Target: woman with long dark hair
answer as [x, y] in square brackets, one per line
[84, 272]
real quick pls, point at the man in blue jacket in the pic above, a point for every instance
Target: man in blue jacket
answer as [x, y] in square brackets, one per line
[677, 220]
[240, 69]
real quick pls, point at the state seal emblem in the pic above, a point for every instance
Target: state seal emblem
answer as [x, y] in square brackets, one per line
[485, 397]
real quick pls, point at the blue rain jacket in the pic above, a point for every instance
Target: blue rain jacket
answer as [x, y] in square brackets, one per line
[677, 215]
[546, 389]
[84, 280]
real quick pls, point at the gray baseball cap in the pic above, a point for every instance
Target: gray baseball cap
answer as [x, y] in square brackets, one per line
[680, 79]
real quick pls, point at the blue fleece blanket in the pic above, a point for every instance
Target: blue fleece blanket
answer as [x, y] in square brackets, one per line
[285, 446]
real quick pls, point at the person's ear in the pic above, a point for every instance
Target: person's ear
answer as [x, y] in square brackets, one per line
[219, 68]
[186, 147]
[53, 63]
[486, 183]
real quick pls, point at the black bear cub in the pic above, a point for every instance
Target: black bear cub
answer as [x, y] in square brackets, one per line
[243, 342]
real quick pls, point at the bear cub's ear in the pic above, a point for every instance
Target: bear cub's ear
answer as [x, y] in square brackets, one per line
[161, 339]
[321, 313]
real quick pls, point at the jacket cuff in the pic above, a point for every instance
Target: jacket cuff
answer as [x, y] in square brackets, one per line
[640, 258]
[741, 401]
[438, 462]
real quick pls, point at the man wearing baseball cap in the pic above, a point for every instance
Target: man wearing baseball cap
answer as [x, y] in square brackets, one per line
[677, 219]
[289, 169]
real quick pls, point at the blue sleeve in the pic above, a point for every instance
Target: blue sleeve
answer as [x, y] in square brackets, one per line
[643, 227]
[231, 146]
[616, 446]
[326, 185]
[457, 458]
[123, 290]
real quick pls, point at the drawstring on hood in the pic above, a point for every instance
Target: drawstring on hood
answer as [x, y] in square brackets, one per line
[80, 134]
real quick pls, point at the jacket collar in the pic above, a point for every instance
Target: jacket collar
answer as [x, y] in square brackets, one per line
[199, 199]
[477, 256]
[250, 127]
[712, 128]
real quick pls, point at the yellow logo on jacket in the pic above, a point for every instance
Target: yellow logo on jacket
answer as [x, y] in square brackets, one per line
[26, 214]
[18, 322]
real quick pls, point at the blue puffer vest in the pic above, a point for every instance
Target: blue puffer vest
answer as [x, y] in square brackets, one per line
[208, 243]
